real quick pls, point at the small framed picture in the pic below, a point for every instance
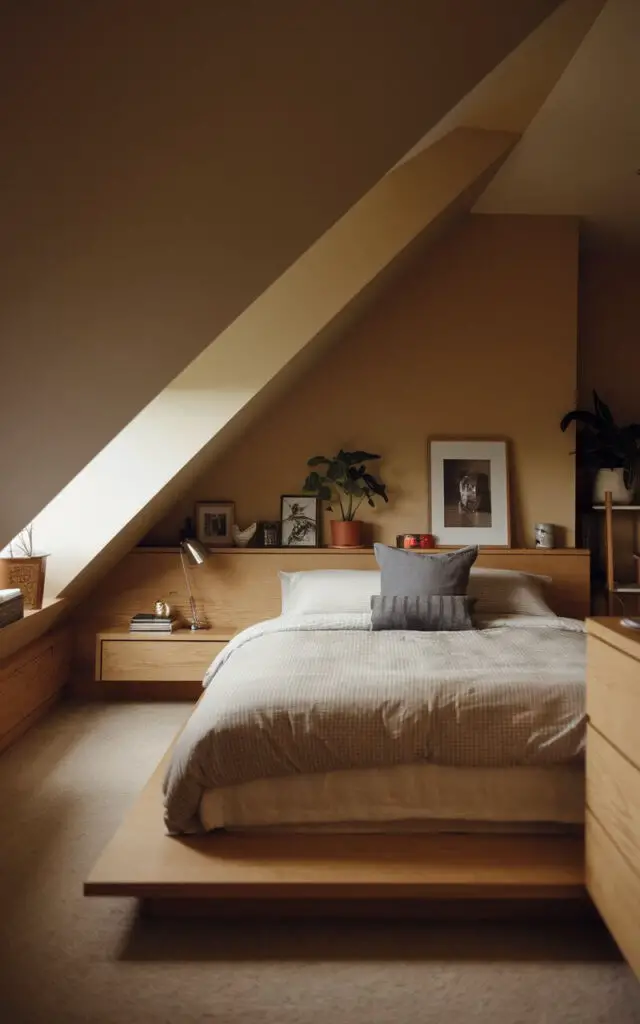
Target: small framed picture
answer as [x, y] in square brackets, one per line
[469, 492]
[214, 520]
[299, 515]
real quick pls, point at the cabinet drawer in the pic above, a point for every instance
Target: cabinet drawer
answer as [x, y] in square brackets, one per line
[157, 660]
[613, 795]
[23, 690]
[613, 696]
[614, 887]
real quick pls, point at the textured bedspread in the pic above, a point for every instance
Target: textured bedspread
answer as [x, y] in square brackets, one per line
[322, 694]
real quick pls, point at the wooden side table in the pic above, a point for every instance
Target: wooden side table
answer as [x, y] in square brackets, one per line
[179, 657]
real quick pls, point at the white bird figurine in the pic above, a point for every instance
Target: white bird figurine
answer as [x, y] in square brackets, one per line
[241, 538]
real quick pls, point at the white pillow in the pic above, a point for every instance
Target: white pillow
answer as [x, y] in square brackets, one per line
[508, 592]
[317, 591]
[497, 591]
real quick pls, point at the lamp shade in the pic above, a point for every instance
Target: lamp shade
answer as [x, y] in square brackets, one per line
[195, 552]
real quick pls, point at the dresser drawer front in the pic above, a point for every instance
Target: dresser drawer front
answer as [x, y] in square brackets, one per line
[156, 660]
[613, 696]
[614, 887]
[613, 795]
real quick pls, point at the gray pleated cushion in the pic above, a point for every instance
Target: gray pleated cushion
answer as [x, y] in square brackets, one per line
[409, 574]
[440, 612]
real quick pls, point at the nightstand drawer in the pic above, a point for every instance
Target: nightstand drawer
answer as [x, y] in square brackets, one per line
[614, 887]
[159, 659]
[613, 696]
[613, 794]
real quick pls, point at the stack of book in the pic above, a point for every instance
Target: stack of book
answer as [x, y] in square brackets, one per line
[11, 606]
[153, 623]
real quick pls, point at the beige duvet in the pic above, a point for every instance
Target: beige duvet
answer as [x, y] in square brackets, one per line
[322, 694]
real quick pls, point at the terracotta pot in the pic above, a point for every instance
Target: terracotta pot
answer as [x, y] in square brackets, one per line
[28, 575]
[346, 534]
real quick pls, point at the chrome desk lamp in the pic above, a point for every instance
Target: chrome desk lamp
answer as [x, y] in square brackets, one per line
[192, 552]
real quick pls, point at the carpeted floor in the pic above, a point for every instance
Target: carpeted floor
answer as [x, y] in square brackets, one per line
[64, 958]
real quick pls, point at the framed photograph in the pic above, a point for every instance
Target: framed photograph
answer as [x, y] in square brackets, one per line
[469, 492]
[300, 516]
[214, 520]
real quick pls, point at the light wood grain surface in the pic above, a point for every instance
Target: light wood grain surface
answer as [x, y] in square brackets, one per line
[150, 660]
[30, 682]
[614, 886]
[613, 695]
[613, 781]
[613, 795]
[236, 588]
[609, 629]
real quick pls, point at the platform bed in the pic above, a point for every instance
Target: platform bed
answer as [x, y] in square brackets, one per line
[396, 875]
[357, 875]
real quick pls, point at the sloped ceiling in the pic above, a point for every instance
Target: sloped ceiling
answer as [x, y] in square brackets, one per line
[131, 482]
[581, 153]
[140, 472]
[164, 163]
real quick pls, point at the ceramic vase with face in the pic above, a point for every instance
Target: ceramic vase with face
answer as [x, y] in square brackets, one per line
[544, 534]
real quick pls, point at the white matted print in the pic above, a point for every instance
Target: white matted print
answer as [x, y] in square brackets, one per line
[214, 520]
[299, 521]
[469, 492]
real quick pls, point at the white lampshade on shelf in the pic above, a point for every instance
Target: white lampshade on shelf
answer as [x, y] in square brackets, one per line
[192, 553]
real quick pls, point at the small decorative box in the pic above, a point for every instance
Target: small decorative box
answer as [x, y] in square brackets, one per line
[415, 540]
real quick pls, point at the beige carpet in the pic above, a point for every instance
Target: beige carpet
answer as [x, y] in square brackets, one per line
[64, 958]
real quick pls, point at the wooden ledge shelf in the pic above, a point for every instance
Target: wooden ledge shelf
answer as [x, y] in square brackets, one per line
[36, 621]
[568, 552]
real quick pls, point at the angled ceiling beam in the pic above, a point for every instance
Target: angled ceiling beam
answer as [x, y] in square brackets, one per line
[510, 96]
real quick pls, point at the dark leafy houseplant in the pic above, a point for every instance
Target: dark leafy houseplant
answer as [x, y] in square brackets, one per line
[344, 480]
[604, 444]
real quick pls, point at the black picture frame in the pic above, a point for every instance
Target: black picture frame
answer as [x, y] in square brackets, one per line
[299, 534]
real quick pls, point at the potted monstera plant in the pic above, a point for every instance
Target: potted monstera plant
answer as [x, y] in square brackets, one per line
[609, 449]
[345, 483]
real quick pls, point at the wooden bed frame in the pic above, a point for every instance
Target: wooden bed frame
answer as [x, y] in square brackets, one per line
[395, 874]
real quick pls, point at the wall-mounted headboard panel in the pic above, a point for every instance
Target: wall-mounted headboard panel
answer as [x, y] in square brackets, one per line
[237, 587]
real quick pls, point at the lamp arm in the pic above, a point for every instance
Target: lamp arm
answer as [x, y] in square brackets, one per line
[195, 622]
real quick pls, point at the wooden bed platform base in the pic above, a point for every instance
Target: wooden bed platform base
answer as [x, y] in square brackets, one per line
[328, 872]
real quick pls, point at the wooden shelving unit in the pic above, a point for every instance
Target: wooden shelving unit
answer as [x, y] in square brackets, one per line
[614, 588]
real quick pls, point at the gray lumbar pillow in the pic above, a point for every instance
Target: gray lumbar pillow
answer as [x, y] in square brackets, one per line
[444, 612]
[408, 574]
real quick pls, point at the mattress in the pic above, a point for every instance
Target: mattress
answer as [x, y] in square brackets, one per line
[407, 797]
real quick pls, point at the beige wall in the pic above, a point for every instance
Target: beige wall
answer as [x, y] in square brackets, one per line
[478, 340]
[163, 163]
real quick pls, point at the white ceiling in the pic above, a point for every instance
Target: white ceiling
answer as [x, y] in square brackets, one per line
[581, 152]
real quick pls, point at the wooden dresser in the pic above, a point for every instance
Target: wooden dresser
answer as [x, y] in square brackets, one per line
[613, 780]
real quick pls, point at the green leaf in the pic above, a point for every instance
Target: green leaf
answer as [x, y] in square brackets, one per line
[337, 470]
[317, 460]
[580, 416]
[352, 457]
[602, 409]
[352, 487]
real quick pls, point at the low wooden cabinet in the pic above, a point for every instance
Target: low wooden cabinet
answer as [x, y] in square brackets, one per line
[613, 780]
[179, 657]
[30, 681]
